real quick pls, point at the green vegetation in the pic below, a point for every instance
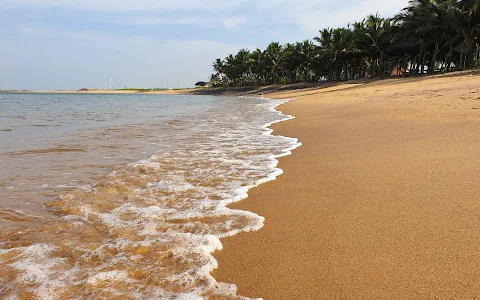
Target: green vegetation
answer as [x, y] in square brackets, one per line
[425, 37]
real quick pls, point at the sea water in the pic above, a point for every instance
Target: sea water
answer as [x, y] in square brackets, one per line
[106, 196]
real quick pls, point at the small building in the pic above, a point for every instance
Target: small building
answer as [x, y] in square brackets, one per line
[203, 84]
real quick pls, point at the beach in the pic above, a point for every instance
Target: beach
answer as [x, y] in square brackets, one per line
[380, 202]
[102, 198]
[107, 195]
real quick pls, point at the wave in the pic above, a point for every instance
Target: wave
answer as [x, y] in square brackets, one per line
[148, 230]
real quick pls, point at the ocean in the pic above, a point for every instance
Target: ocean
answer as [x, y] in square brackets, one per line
[125, 196]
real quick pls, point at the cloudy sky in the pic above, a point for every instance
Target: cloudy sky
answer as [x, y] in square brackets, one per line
[70, 44]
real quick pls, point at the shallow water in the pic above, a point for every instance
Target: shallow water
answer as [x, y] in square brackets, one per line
[124, 196]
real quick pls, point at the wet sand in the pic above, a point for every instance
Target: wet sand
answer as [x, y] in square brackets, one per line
[382, 201]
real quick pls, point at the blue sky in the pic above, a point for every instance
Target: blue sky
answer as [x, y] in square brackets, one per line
[70, 44]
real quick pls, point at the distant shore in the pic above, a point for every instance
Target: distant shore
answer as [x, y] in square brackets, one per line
[380, 202]
[97, 91]
[241, 91]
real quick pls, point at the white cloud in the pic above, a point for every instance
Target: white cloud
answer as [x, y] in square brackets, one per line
[57, 57]
[97, 39]
[264, 8]
[292, 5]
[157, 21]
[71, 59]
[310, 14]
[214, 22]
[320, 19]
[210, 13]
[130, 5]
[91, 38]
[234, 22]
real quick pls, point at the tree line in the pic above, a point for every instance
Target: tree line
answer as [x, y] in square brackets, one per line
[425, 37]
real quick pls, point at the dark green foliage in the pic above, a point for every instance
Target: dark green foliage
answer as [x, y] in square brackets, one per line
[425, 37]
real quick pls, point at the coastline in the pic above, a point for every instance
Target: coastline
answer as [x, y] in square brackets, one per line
[95, 91]
[380, 202]
[243, 154]
[275, 91]
[369, 209]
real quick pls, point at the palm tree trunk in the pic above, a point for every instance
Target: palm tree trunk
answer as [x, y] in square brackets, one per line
[448, 61]
[338, 73]
[417, 64]
[477, 56]
[421, 55]
[434, 58]
[373, 68]
[469, 60]
[381, 66]
[424, 60]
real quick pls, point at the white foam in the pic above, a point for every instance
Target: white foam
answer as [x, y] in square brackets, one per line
[182, 205]
[111, 276]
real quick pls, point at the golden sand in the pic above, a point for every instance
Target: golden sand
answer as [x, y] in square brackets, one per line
[382, 201]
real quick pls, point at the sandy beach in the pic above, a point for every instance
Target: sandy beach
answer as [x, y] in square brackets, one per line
[380, 202]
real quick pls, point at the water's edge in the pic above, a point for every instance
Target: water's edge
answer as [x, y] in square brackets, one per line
[278, 172]
[150, 228]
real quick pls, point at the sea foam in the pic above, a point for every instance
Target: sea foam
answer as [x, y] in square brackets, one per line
[148, 229]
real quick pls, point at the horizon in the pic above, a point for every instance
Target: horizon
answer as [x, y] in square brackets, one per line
[60, 45]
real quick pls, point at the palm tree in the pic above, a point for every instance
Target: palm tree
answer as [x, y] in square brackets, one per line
[290, 62]
[257, 67]
[378, 33]
[306, 57]
[242, 62]
[464, 16]
[423, 20]
[273, 57]
[218, 68]
[325, 38]
[427, 34]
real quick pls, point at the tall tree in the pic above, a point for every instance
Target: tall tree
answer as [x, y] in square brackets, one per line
[425, 35]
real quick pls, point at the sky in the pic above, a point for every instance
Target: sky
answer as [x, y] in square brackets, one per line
[73, 44]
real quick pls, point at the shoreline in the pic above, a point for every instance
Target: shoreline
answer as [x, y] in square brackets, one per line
[93, 92]
[331, 223]
[379, 202]
[255, 91]
[127, 176]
